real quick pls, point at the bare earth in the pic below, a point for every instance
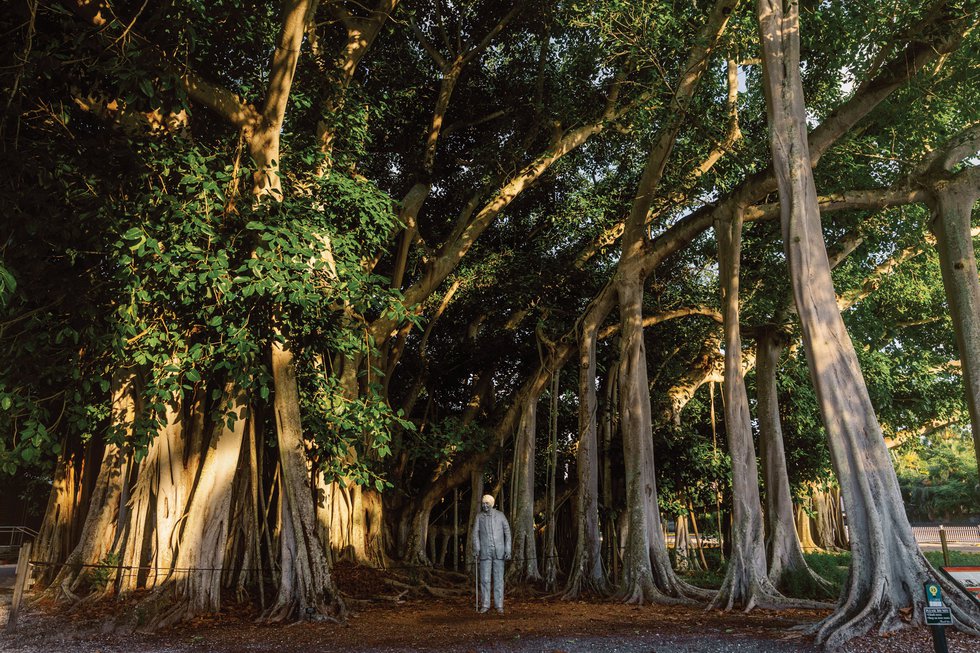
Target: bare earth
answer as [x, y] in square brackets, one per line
[450, 624]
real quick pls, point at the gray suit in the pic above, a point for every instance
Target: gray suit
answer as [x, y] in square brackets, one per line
[491, 546]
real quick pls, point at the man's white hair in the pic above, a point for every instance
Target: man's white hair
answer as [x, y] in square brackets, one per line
[487, 499]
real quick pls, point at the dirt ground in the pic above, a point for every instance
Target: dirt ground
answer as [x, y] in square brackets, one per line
[426, 623]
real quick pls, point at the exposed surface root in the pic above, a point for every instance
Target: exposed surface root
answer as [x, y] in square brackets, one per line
[583, 586]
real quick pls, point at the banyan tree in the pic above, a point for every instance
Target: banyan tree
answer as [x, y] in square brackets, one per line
[289, 286]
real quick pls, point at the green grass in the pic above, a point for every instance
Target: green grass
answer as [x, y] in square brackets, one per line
[956, 559]
[713, 576]
[833, 567]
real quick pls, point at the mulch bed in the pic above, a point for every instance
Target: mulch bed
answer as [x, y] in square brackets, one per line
[417, 621]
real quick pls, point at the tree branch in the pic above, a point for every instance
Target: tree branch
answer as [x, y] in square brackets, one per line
[214, 96]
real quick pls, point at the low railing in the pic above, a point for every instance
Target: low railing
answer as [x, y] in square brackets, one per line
[957, 534]
[12, 537]
[16, 534]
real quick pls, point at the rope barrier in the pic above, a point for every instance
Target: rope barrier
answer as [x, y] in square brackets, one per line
[109, 566]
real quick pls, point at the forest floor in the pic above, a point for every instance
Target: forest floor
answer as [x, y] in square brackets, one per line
[425, 623]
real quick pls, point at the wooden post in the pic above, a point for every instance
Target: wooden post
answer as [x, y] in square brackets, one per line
[20, 584]
[942, 540]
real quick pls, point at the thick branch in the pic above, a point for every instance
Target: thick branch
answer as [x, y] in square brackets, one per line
[959, 147]
[613, 233]
[361, 33]
[214, 96]
[697, 63]
[264, 139]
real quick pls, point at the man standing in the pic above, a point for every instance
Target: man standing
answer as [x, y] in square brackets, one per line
[491, 547]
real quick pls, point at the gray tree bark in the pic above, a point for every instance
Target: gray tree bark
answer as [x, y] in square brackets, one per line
[587, 573]
[952, 208]
[888, 568]
[746, 581]
[305, 586]
[785, 554]
[524, 564]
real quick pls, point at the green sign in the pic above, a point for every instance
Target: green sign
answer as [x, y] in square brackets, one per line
[934, 595]
[938, 616]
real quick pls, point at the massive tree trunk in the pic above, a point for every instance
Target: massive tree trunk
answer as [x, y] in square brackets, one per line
[550, 553]
[952, 210]
[785, 554]
[746, 580]
[524, 565]
[99, 532]
[305, 586]
[648, 575]
[194, 586]
[178, 463]
[65, 513]
[888, 568]
[587, 573]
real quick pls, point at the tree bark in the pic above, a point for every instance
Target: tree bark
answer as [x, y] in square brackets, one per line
[306, 586]
[587, 574]
[648, 575]
[550, 553]
[173, 487]
[888, 568]
[101, 522]
[524, 564]
[194, 585]
[65, 513]
[746, 580]
[135, 539]
[952, 208]
[804, 530]
[785, 554]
